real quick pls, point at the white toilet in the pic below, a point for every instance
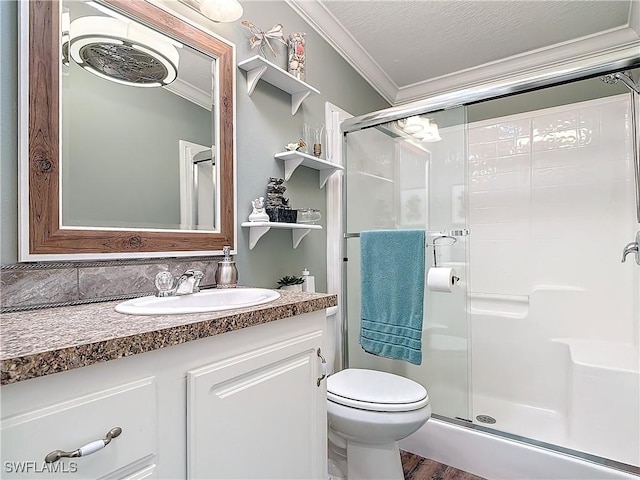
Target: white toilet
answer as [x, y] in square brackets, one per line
[368, 412]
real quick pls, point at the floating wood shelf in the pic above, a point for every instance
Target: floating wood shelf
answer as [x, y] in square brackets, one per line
[258, 68]
[258, 229]
[293, 160]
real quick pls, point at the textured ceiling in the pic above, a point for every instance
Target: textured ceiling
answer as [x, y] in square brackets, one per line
[412, 42]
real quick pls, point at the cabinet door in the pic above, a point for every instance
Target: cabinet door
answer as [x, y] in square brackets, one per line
[260, 414]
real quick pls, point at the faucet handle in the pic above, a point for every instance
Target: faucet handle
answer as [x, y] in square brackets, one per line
[197, 276]
[193, 273]
[164, 283]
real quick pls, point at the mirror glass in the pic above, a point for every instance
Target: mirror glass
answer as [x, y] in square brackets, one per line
[138, 115]
[127, 136]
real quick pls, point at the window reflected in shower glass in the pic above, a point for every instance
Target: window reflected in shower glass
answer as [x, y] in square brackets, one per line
[126, 107]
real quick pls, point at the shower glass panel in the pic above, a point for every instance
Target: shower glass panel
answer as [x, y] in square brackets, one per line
[554, 313]
[541, 339]
[411, 174]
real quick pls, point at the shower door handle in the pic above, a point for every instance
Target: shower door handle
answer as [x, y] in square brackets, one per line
[632, 247]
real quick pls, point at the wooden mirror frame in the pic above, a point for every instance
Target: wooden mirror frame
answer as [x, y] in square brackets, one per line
[40, 222]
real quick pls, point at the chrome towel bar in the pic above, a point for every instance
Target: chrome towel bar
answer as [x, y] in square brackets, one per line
[461, 232]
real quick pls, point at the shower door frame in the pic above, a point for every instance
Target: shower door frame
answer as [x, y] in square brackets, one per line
[592, 66]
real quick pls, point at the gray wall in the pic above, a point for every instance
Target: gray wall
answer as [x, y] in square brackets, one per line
[264, 125]
[107, 184]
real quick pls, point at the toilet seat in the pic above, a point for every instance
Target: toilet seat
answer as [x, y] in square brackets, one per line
[375, 391]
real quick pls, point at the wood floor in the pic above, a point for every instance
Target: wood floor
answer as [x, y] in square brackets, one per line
[419, 468]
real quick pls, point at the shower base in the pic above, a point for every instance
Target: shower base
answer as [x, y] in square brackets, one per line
[524, 420]
[492, 456]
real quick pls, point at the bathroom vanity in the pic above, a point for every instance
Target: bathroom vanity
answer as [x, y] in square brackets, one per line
[232, 394]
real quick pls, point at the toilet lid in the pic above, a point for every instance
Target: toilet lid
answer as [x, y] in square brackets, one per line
[377, 391]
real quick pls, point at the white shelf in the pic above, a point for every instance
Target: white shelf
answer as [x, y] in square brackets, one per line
[258, 68]
[258, 229]
[294, 159]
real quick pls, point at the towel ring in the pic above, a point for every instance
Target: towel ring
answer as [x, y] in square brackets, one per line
[435, 244]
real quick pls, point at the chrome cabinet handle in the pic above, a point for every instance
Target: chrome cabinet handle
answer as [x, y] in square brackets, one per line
[85, 450]
[324, 367]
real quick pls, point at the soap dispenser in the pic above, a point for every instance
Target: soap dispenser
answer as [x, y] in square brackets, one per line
[308, 282]
[226, 273]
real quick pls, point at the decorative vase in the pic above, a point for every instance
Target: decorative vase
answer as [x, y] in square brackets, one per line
[282, 214]
[318, 136]
[297, 55]
[294, 288]
[306, 137]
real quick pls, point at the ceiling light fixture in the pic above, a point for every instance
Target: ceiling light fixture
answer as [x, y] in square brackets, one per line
[221, 11]
[420, 128]
[125, 19]
[123, 52]
[412, 125]
[430, 132]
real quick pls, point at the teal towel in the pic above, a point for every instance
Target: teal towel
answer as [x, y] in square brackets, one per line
[392, 270]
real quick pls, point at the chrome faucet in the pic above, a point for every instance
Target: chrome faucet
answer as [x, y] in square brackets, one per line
[187, 283]
[632, 247]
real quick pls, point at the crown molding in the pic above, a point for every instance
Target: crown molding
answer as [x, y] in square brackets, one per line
[332, 31]
[619, 40]
[187, 91]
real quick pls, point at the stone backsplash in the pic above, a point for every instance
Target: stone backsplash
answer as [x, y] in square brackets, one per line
[39, 285]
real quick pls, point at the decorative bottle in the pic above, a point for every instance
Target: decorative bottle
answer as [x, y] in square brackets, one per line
[297, 55]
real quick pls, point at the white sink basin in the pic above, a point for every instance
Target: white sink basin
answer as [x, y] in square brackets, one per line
[213, 300]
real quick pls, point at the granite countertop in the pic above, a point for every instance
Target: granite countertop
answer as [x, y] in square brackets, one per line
[42, 342]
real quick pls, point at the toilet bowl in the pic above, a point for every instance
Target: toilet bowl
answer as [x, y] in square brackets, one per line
[368, 412]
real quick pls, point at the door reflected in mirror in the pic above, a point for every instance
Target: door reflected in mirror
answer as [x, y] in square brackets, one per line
[138, 140]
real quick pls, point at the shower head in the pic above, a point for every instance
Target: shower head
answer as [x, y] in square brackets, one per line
[624, 77]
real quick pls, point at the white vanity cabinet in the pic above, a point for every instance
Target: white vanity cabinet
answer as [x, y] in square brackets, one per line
[268, 412]
[244, 404]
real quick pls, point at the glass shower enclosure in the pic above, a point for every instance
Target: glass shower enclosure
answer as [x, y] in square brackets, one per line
[530, 199]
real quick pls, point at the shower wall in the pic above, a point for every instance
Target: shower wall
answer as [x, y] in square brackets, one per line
[553, 312]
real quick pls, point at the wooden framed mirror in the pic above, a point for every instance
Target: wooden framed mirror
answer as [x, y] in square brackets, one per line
[45, 231]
